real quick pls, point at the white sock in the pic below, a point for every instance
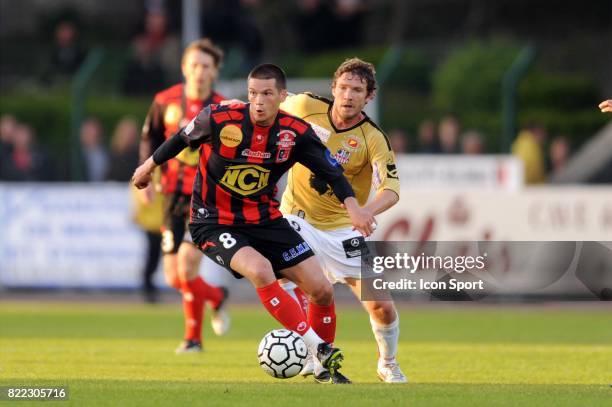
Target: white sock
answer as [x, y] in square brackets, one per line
[312, 340]
[387, 337]
[289, 287]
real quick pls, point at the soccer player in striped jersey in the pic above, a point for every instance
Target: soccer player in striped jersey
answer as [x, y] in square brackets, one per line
[171, 110]
[235, 220]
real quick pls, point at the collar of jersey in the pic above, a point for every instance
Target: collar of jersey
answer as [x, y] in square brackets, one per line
[331, 122]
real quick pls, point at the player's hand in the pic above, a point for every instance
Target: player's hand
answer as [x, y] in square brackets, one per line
[362, 219]
[146, 194]
[142, 175]
[606, 106]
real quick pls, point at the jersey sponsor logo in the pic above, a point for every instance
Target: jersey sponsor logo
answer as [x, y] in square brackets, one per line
[392, 171]
[245, 179]
[256, 154]
[286, 141]
[354, 247]
[173, 114]
[230, 136]
[321, 132]
[296, 251]
[190, 126]
[351, 143]
[331, 159]
[342, 156]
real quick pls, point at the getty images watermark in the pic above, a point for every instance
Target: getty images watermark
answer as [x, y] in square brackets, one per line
[476, 270]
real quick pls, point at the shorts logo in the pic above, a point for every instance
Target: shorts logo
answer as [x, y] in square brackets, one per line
[296, 251]
[245, 179]
[230, 136]
[342, 156]
[354, 247]
[327, 320]
[274, 301]
[301, 214]
[220, 260]
[301, 327]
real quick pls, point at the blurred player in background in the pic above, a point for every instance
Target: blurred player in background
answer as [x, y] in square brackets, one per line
[363, 150]
[171, 110]
[606, 106]
[235, 219]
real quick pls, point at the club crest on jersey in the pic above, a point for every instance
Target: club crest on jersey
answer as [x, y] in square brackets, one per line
[342, 156]
[351, 143]
[286, 141]
[230, 136]
[245, 179]
[173, 114]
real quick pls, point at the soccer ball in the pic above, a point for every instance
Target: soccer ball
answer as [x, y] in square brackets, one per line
[282, 353]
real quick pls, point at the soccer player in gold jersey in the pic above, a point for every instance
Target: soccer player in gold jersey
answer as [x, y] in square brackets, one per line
[363, 150]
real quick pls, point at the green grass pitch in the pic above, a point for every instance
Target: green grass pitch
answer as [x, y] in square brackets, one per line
[122, 354]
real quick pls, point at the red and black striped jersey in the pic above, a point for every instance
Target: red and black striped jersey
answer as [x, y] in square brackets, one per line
[170, 111]
[237, 175]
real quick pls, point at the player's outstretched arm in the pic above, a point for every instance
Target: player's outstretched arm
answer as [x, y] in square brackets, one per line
[382, 201]
[362, 218]
[606, 106]
[193, 135]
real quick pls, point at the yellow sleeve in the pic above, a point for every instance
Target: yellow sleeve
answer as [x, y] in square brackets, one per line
[382, 160]
[296, 104]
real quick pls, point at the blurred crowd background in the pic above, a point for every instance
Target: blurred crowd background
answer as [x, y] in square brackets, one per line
[76, 77]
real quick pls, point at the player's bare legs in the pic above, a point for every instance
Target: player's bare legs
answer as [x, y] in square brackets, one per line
[251, 264]
[385, 326]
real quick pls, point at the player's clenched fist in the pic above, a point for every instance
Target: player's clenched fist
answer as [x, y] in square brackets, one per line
[361, 218]
[606, 106]
[142, 175]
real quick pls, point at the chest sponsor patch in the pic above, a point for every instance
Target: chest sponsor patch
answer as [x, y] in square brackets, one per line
[256, 154]
[355, 247]
[321, 132]
[173, 114]
[230, 136]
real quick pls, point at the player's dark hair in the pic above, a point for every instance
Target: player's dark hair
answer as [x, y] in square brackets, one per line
[362, 69]
[206, 46]
[270, 71]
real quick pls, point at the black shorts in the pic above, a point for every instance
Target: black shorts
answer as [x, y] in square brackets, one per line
[176, 217]
[276, 241]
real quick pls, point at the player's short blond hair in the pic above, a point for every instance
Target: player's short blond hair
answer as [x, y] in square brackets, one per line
[206, 46]
[359, 67]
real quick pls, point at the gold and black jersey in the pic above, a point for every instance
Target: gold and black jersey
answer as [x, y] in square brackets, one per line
[363, 151]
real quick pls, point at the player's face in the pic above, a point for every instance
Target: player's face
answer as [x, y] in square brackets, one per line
[265, 99]
[350, 95]
[199, 69]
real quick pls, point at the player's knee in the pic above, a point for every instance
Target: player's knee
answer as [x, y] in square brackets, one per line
[260, 272]
[384, 312]
[173, 281]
